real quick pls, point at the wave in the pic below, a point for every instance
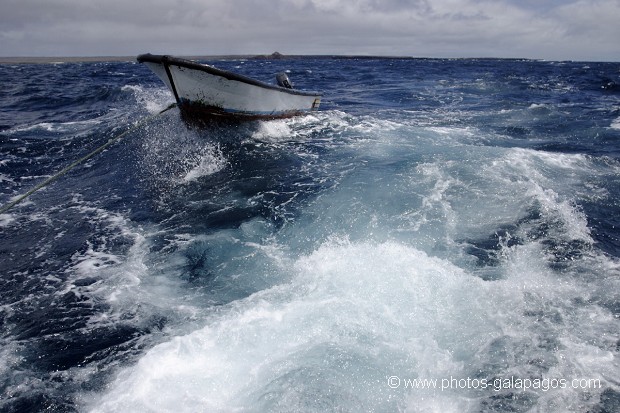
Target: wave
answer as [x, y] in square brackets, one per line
[410, 230]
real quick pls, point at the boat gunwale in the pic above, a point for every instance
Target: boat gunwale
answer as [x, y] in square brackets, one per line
[190, 64]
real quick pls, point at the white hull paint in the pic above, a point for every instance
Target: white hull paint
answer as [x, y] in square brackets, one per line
[204, 90]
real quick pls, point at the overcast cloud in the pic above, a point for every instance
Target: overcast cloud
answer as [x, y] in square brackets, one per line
[540, 29]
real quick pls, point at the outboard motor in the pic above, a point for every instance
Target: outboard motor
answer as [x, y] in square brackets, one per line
[283, 80]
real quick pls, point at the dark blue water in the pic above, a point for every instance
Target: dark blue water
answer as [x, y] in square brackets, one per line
[448, 221]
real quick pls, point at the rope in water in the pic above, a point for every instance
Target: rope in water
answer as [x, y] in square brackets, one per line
[111, 141]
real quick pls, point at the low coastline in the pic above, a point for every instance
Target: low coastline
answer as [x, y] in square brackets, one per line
[16, 60]
[93, 59]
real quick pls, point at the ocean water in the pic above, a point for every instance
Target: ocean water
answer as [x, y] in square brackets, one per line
[442, 236]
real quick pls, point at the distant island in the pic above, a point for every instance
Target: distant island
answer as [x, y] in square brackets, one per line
[273, 56]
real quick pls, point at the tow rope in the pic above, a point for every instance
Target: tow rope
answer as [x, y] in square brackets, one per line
[111, 141]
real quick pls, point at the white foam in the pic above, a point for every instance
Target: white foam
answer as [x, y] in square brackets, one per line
[133, 287]
[615, 124]
[170, 157]
[273, 130]
[349, 310]
[60, 127]
[354, 314]
[210, 162]
[372, 280]
[153, 100]
[92, 260]
[334, 123]
[535, 174]
[6, 220]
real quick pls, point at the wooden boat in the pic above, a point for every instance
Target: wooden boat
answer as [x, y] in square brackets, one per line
[205, 91]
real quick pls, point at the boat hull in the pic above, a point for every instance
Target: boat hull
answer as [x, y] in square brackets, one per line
[204, 91]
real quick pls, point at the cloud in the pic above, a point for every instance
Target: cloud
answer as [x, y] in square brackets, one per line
[552, 29]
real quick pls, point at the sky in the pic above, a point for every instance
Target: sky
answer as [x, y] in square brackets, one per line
[587, 30]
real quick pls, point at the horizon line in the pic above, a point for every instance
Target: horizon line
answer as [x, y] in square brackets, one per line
[274, 56]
